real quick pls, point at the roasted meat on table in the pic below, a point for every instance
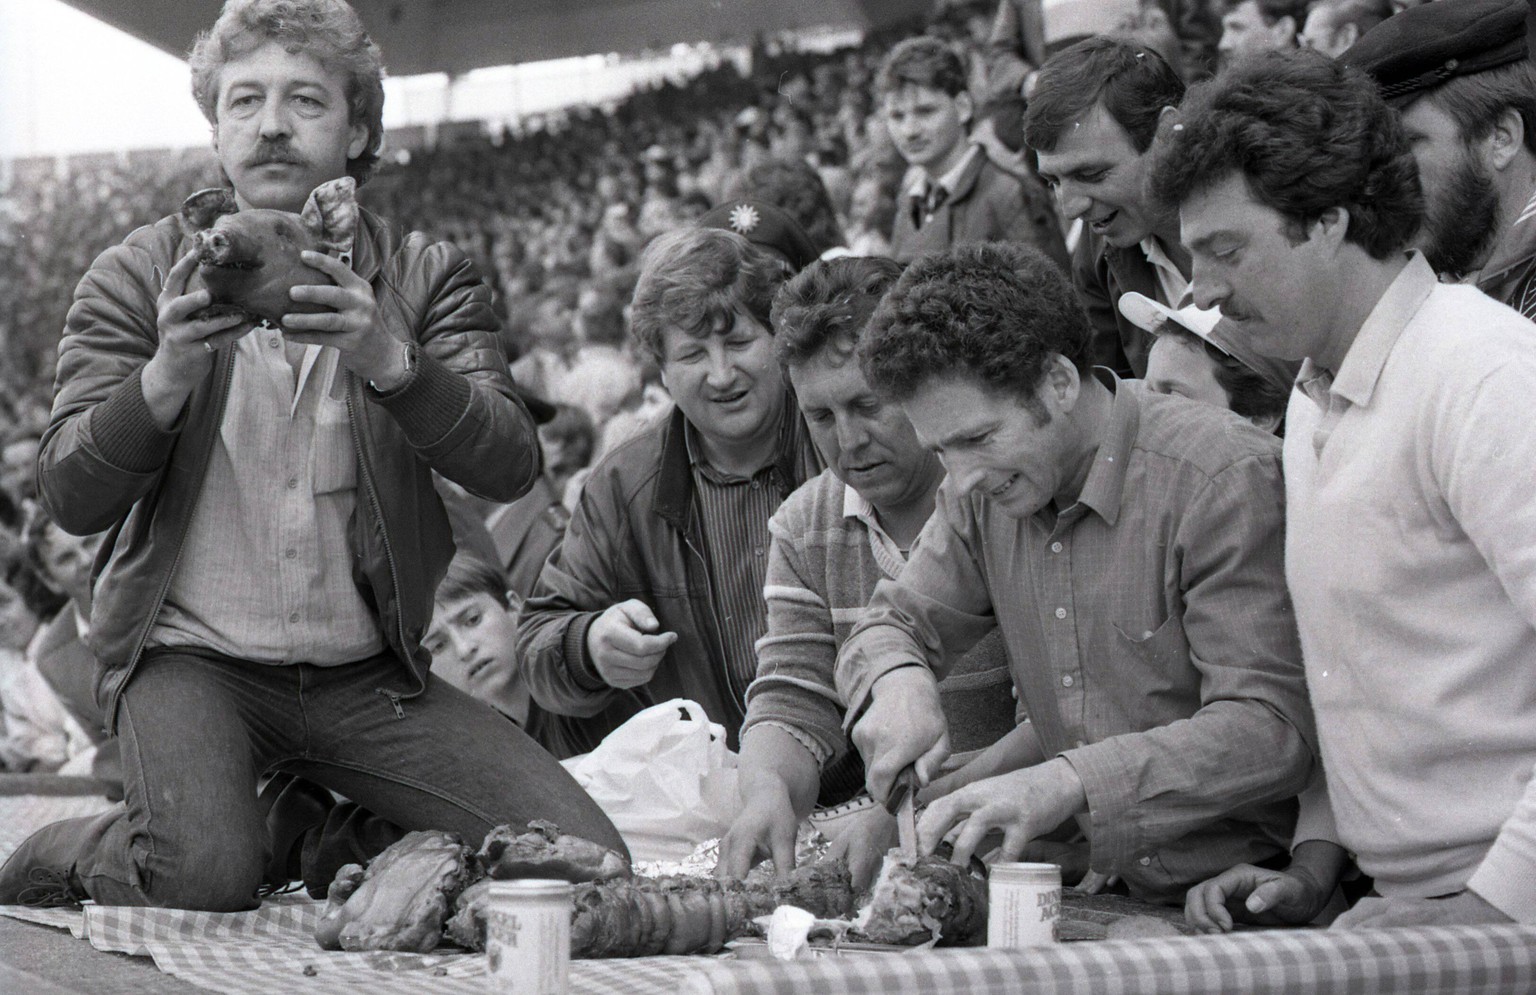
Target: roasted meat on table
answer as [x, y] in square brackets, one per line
[402, 899]
[922, 899]
[681, 914]
[542, 851]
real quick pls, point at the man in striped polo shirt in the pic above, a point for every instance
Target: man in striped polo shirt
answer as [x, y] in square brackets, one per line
[834, 539]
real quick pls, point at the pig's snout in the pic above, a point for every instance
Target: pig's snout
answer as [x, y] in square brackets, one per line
[226, 249]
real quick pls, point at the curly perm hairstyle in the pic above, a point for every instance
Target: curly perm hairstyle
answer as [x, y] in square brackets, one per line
[698, 280]
[1308, 134]
[1133, 82]
[329, 30]
[828, 304]
[996, 311]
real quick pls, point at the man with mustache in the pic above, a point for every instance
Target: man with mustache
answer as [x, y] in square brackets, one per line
[1458, 73]
[274, 536]
[1410, 532]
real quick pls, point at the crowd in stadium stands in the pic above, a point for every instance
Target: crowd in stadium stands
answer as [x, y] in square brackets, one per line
[556, 214]
[1033, 229]
[556, 218]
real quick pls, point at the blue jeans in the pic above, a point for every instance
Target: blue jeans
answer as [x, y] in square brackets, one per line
[197, 730]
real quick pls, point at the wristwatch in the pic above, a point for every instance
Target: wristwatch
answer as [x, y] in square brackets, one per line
[412, 354]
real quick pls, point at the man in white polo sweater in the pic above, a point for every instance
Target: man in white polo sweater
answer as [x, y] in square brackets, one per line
[1411, 541]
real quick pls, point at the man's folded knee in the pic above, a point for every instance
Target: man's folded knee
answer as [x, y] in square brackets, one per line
[228, 883]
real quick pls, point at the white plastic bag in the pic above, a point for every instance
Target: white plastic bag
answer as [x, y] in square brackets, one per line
[665, 778]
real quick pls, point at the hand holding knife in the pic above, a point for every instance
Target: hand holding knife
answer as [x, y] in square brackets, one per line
[902, 803]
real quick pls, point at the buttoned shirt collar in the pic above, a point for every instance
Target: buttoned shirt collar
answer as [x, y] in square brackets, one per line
[1173, 284]
[1355, 380]
[701, 464]
[889, 555]
[1105, 485]
[950, 181]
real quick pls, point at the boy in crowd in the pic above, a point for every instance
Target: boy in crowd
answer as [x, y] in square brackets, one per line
[1197, 355]
[833, 540]
[473, 642]
[957, 194]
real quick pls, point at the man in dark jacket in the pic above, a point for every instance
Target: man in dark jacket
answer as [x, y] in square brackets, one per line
[658, 585]
[275, 539]
[1091, 119]
[955, 193]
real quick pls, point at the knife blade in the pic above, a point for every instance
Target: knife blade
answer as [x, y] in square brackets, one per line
[903, 804]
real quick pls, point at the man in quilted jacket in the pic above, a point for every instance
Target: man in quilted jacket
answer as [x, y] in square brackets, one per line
[274, 538]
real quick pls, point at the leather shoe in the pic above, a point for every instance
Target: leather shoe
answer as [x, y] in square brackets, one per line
[294, 807]
[41, 873]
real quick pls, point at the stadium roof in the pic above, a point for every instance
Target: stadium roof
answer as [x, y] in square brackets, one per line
[453, 36]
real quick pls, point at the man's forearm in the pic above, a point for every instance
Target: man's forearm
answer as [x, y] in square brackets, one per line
[1319, 861]
[1019, 749]
[769, 757]
[164, 394]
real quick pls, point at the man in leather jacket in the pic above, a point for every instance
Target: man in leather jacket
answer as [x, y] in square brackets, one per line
[274, 536]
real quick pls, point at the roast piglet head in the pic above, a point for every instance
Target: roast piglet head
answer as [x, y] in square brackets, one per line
[249, 260]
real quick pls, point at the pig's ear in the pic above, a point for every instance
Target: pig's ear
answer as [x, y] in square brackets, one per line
[331, 213]
[203, 208]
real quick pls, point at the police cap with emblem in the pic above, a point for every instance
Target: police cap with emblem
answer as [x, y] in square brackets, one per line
[1424, 46]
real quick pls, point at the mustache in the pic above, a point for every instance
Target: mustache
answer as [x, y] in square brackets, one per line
[270, 151]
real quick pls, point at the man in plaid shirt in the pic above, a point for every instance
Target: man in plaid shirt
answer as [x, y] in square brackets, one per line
[1127, 544]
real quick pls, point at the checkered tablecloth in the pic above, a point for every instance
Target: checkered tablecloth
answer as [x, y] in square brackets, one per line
[273, 950]
[1418, 961]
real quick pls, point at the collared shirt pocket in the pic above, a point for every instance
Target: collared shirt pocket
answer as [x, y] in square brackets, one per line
[334, 461]
[1156, 660]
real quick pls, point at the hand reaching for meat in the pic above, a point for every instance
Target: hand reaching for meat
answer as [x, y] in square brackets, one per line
[401, 900]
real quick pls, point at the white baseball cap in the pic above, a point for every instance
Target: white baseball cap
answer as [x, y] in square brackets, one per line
[1208, 324]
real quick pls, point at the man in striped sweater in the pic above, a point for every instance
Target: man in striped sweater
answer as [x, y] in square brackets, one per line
[834, 539]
